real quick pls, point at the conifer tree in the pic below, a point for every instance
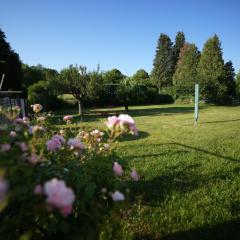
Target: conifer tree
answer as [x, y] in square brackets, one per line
[179, 43]
[163, 63]
[229, 79]
[185, 75]
[211, 71]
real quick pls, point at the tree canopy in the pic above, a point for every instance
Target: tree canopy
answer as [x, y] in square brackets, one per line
[10, 65]
[163, 63]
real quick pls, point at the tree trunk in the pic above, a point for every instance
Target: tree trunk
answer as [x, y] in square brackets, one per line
[126, 107]
[159, 90]
[80, 109]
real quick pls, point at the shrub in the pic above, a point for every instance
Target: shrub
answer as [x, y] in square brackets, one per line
[41, 92]
[60, 184]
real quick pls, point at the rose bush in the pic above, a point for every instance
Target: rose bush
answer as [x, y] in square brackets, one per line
[60, 184]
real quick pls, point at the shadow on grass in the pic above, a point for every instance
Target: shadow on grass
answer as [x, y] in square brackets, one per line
[94, 115]
[141, 135]
[156, 154]
[154, 111]
[223, 231]
[223, 121]
[200, 150]
[173, 179]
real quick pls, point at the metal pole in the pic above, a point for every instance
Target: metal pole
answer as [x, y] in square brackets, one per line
[196, 111]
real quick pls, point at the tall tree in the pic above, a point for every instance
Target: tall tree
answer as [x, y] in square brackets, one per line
[10, 65]
[229, 79]
[185, 75]
[179, 43]
[163, 63]
[238, 85]
[211, 71]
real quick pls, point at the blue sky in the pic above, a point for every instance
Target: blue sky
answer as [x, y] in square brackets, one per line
[114, 33]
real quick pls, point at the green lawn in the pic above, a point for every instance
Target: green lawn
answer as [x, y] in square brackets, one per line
[190, 186]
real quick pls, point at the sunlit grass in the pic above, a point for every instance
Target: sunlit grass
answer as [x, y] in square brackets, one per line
[190, 174]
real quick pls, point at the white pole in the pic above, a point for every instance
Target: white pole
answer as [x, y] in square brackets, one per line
[196, 112]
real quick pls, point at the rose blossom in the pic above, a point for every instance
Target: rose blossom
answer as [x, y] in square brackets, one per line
[12, 134]
[106, 145]
[112, 121]
[60, 138]
[53, 145]
[3, 189]
[23, 146]
[36, 107]
[38, 190]
[126, 120]
[18, 121]
[62, 132]
[68, 118]
[5, 147]
[41, 119]
[26, 120]
[75, 143]
[34, 158]
[134, 175]
[59, 196]
[37, 128]
[117, 168]
[117, 196]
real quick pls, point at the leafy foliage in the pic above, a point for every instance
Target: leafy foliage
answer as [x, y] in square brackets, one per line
[30, 162]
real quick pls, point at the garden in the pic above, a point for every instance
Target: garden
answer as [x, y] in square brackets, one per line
[150, 176]
[97, 153]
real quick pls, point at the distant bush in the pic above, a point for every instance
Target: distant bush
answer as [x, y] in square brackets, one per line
[153, 97]
[41, 92]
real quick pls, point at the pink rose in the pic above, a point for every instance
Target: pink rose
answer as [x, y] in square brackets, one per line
[5, 147]
[134, 175]
[41, 119]
[26, 120]
[59, 196]
[3, 189]
[36, 128]
[38, 190]
[60, 138]
[106, 145]
[112, 122]
[76, 144]
[18, 121]
[36, 107]
[23, 146]
[34, 158]
[117, 169]
[67, 118]
[53, 145]
[13, 134]
[117, 196]
[127, 121]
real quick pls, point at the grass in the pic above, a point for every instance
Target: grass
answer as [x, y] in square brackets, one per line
[190, 174]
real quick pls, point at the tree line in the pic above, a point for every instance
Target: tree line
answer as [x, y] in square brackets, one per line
[176, 68]
[179, 66]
